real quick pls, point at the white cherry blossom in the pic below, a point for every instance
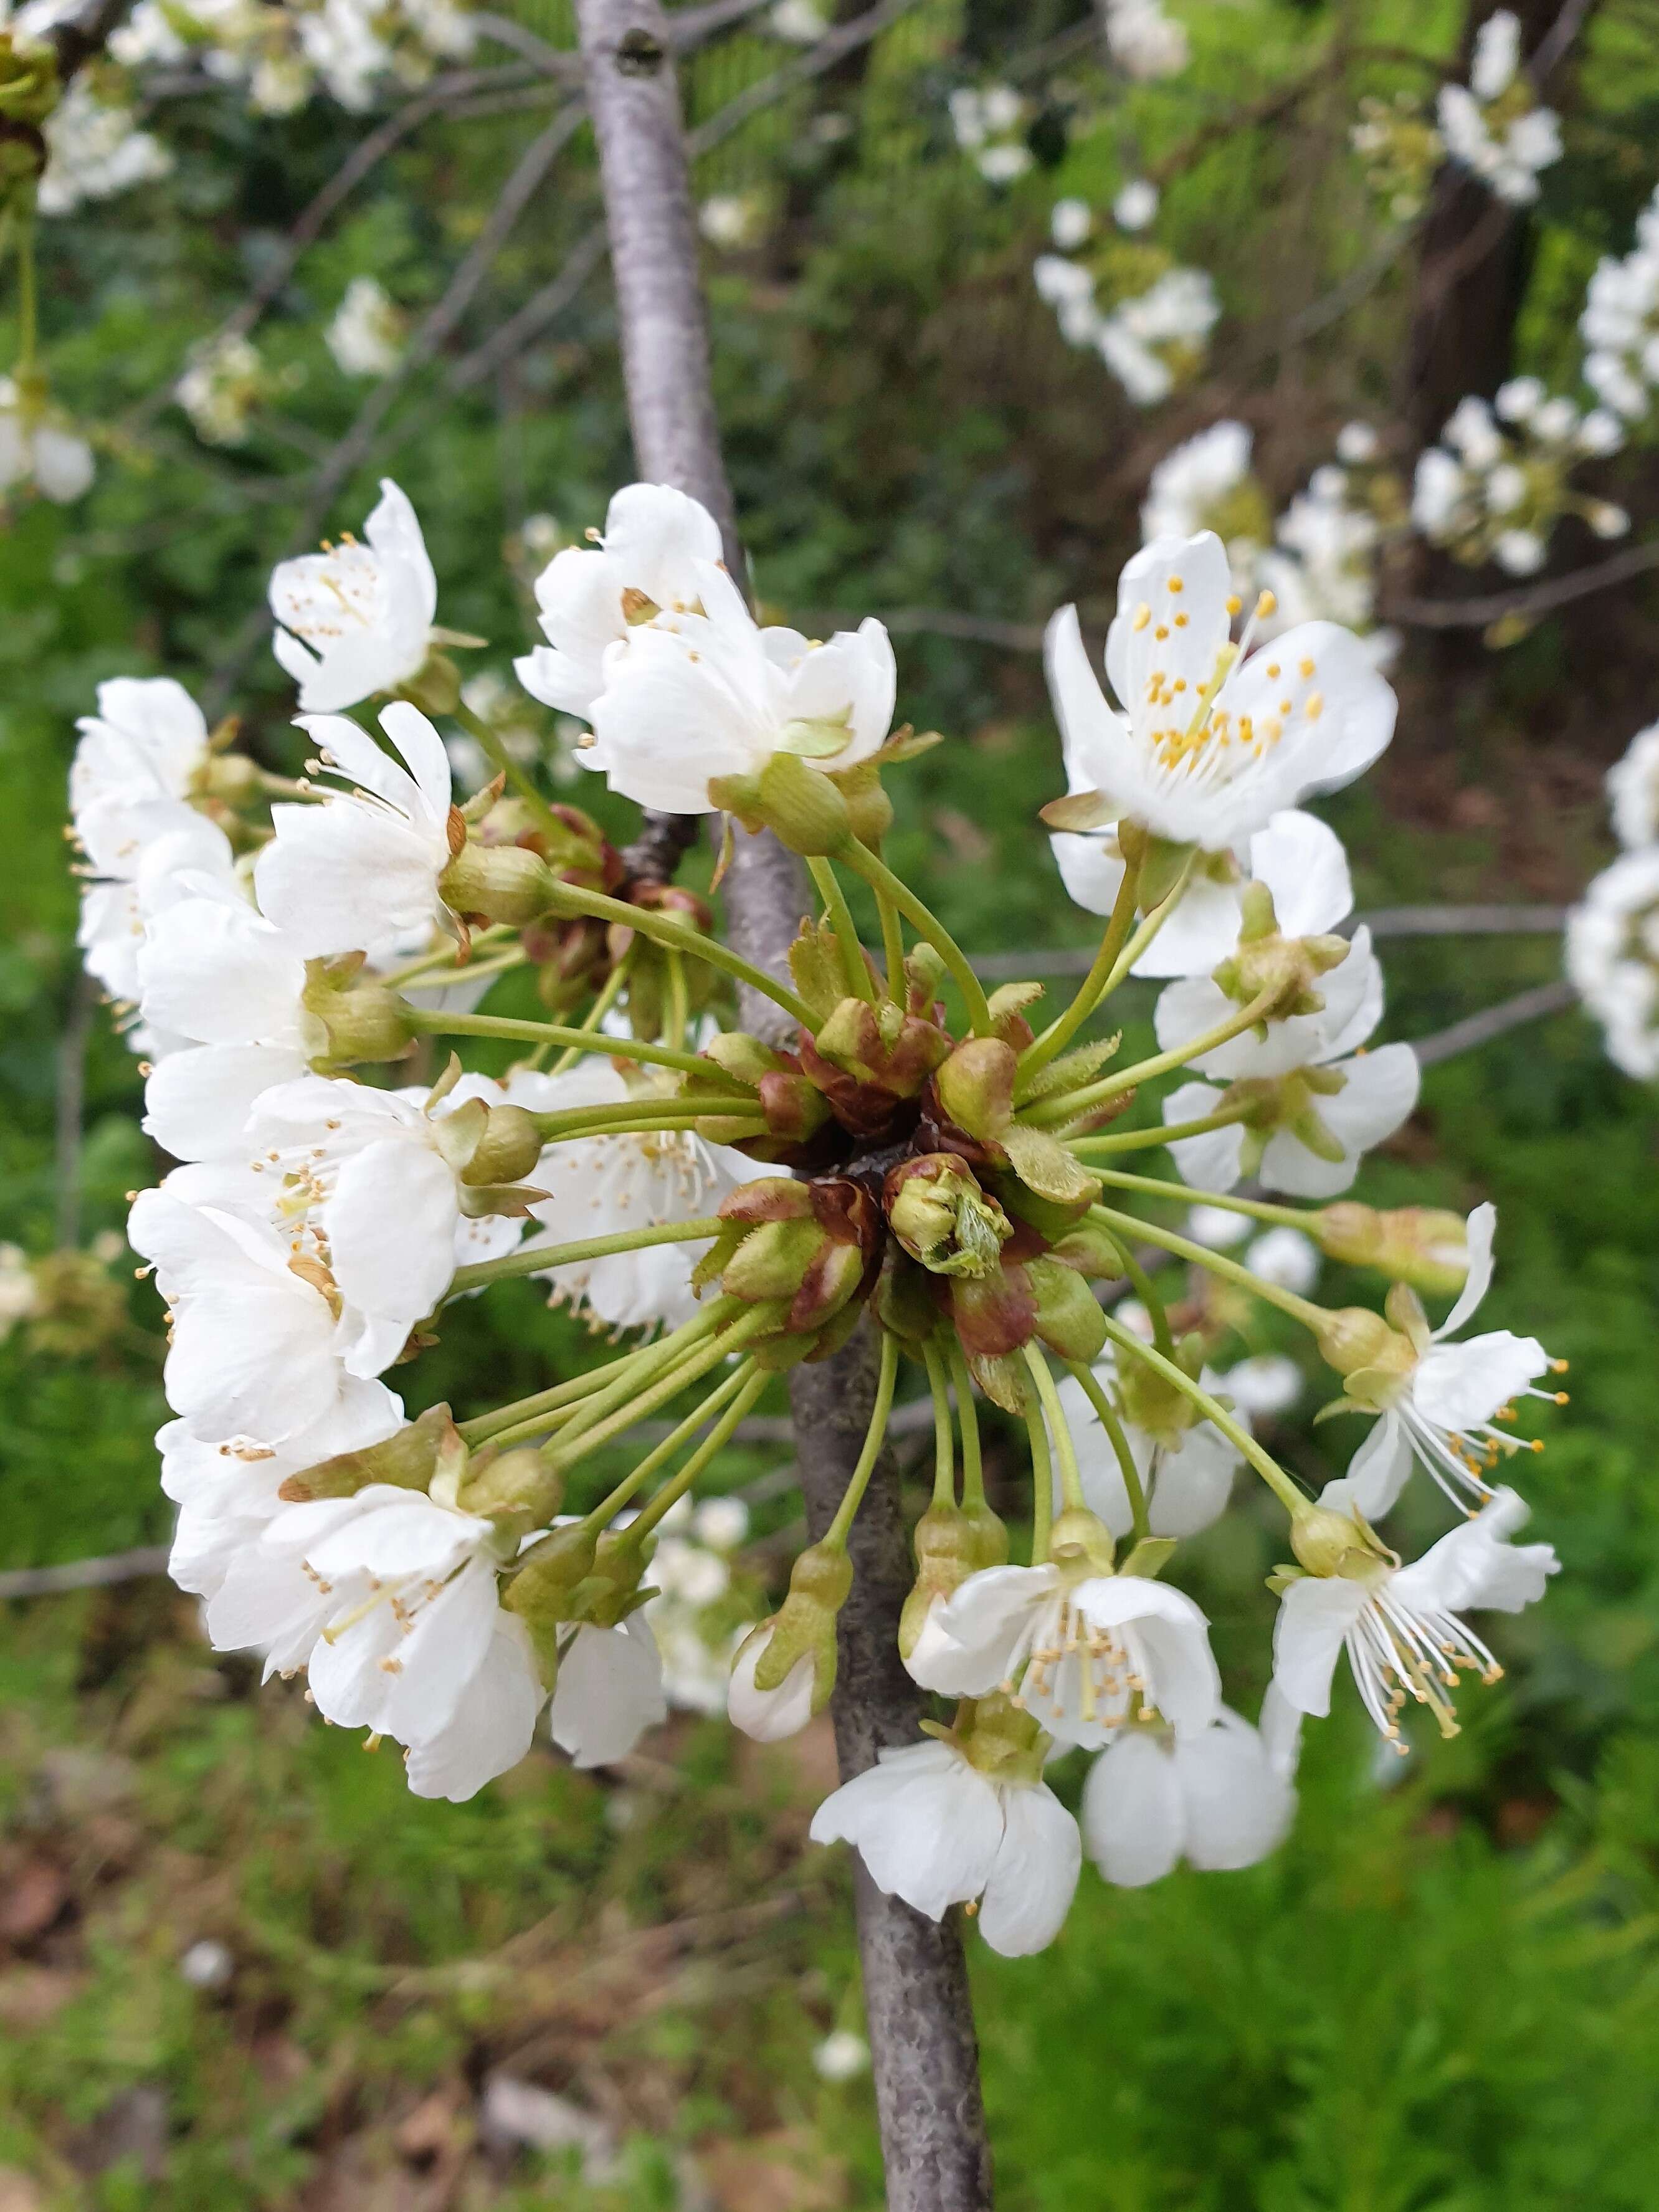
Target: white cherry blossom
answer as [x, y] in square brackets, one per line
[1185, 1465]
[1209, 743]
[600, 1185]
[1612, 958]
[1317, 1102]
[933, 1830]
[647, 566]
[148, 741]
[716, 695]
[609, 1690]
[1085, 1654]
[1212, 1797]
[361, 866]
[1444, 1410]
[1633, 791]
[1401, 1626]
[356, 619]
[253, 1335]
[769, 1716]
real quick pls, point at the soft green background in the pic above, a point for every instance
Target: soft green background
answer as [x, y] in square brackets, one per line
[1442, 1995]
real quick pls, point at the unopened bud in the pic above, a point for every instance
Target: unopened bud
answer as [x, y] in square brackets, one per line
[510, 1148]
[1425, 1246]
[976, 1086]
[942, 1218]
[426, 1450]
[786, 1670]
[1069, 1319]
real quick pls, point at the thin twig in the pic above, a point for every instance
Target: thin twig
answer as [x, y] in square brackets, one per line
[1382, 921]
[1475, 1030]
[86, 1574]
[1526, 606]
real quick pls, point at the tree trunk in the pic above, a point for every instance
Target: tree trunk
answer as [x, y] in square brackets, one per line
[923, 2052]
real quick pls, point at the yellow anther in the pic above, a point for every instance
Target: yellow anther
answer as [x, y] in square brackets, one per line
[1162, 631]
[1306, 667]
[1283, 706]
[1234, 602]
[1141, 617]
[1175, 584]
[1315, 706]
[1559, 1366]
[1265, 603]
[1181, 622]
[1273, 668]
[1563, 1398]
[1538, 1443]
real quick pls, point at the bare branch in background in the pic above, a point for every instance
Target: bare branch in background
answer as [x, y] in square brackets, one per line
[1525, 606]
[1382, 921]
[1480, 1028]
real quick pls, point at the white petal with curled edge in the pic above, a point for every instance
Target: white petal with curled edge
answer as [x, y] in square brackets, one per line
[343, 876]
[1353, 726]
[1476, 1566]
[1096, 740]
[927, 1825]
[1481, 1235]
[1239, 1805]
[390, 1222]
[1314, 1615]
[493, 1724]
[1460, 1386]
[197, 1103]
[1302, 863]
[1378, 1470]
[1172, 575]
[769, 1716]
[608, 1692]
[1134, 1817]
[985, 1620]
[220, 973]
[1033, 1877]
[1184, 1683]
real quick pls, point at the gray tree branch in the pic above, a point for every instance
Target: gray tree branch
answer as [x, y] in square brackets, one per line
[924, 2056]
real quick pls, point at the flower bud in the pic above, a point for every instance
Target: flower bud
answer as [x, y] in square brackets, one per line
[786, 1669]
[811, 1244]
[1069, 1319]
[976, 1086]
[508, 1149]
[345, 1023]
[942, 1218]
[1425, 1246]
[427, 1449]
[498, 883]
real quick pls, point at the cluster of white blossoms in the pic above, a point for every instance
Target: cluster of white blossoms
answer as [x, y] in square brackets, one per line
[1400, 150]
[1500, 479]
[226, 380]
[1495, 126]
[283, 53]
[95, 150]
[1117, 294]
[989, 122]
[1613, 938]
[727, 1206]
[1619, 324]
[1144, 42]
[366, 334]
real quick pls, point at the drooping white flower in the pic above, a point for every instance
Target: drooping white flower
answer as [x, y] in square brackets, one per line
[600, 1185]
[716, 695]
[1612, 958]
[1401, 1626]
[366, 337]
[356, 619]
[225, 1492]
[1265, 1384]
[39, 447]
[252, 1332]
[388, 1599]
[1212, 1797]
[372, 1179]
[1633, 791]
[1443, 1409]
[1315, 1104]
[609, 1692]
[216, 976]
[362, 867]
[492, 1724]
[769, 1716]
[1209, 742]
[646, 567]
[1185, 1464]
[1085, 1654]
[933, 1830]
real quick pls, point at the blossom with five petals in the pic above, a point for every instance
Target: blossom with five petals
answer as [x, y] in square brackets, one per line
[1213, 1798]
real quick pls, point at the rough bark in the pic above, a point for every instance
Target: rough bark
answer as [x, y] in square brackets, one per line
[924, 2056]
